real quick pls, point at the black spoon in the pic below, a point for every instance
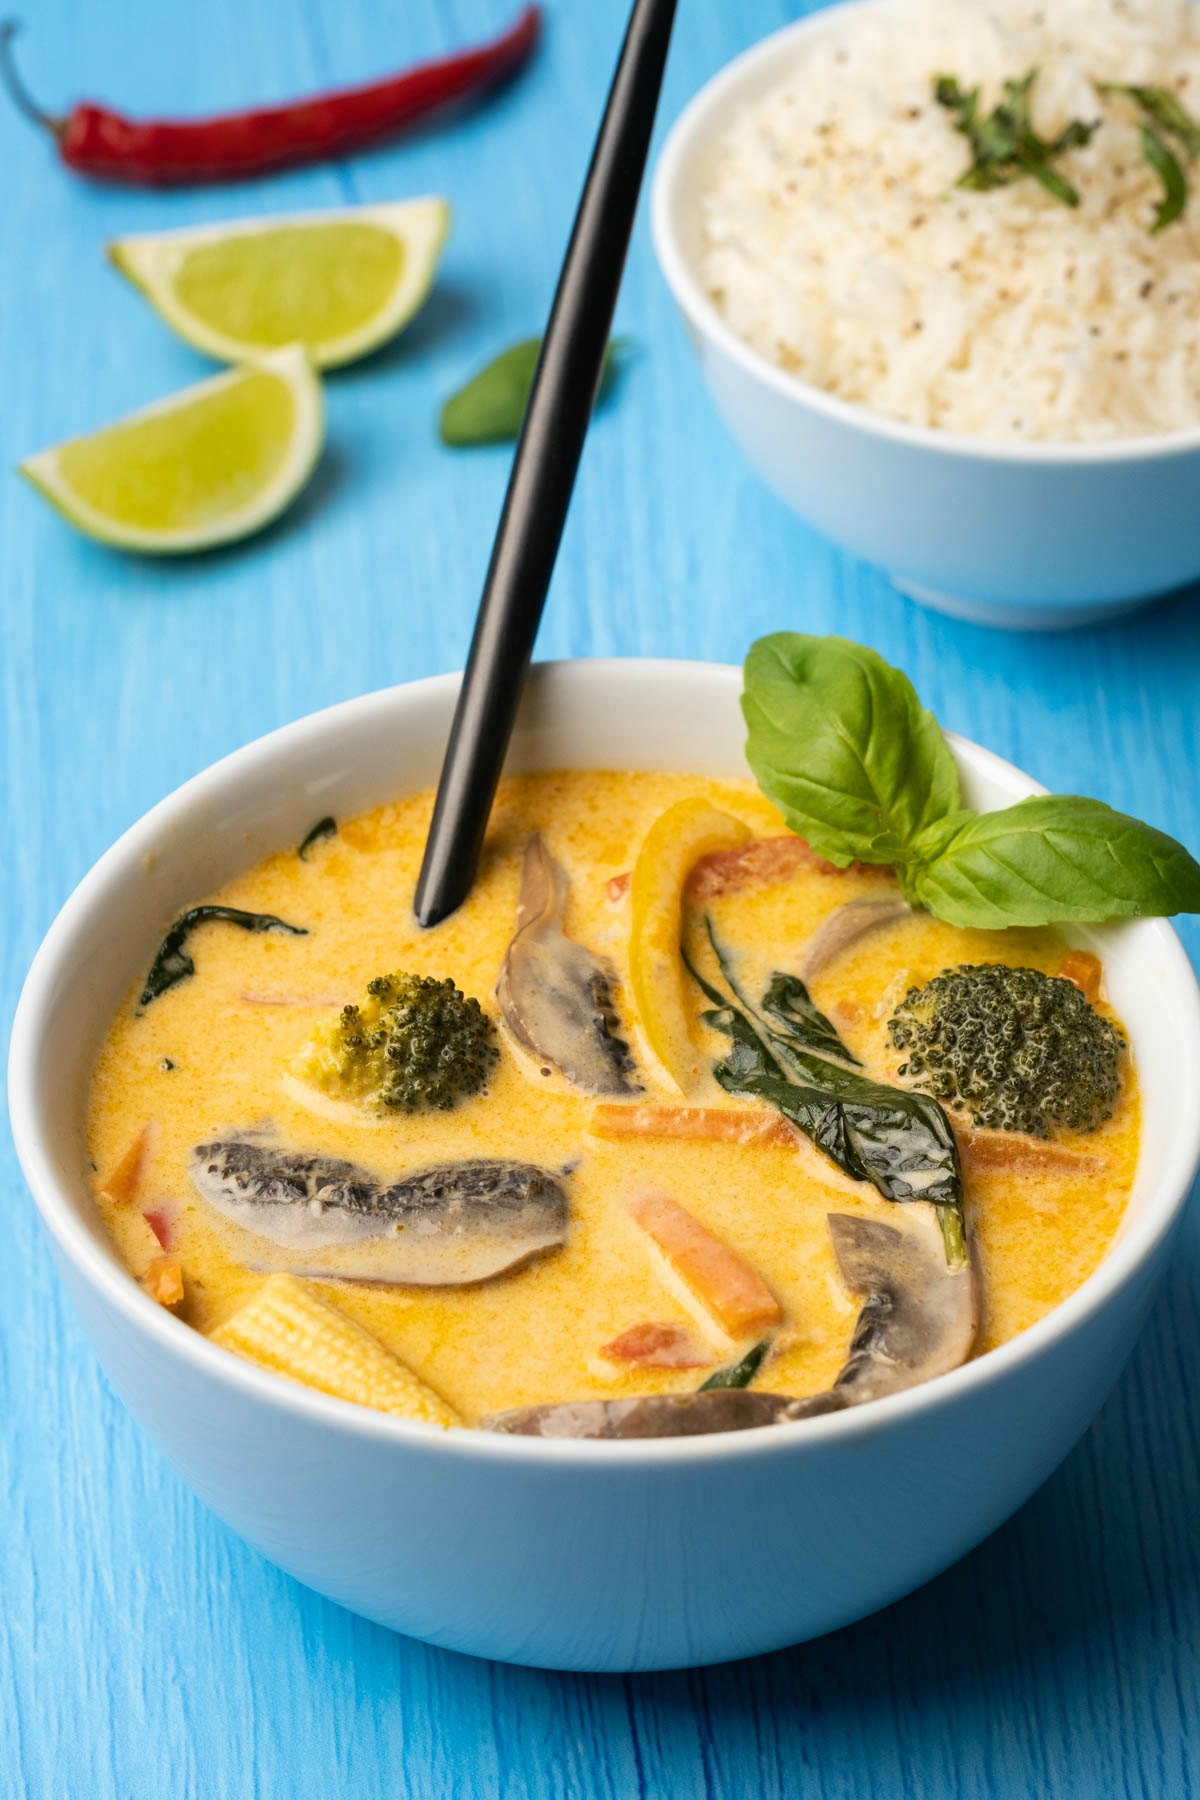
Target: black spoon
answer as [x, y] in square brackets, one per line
[543, 471]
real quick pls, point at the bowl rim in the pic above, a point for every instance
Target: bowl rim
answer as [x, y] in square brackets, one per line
[116, 1289]
[703, 315]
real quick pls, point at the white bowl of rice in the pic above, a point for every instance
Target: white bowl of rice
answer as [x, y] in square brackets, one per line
[991, 392]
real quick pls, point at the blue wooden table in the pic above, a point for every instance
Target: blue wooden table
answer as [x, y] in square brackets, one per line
[145, 1654]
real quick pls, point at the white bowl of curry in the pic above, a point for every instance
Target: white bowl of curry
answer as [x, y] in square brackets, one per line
[626, 1233]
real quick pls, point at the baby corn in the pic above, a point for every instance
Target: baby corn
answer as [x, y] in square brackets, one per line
[290, 1330]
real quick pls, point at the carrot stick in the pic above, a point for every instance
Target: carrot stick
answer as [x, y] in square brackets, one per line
[705, 1272]
[1024, 1155]
[123, 1182]
[1082, 968]
[713, 1124]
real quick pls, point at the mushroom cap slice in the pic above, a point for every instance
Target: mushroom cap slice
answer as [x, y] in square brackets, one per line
[444, 1226]
[846, 926]
[555, 996]
[919, 1318]
[652, 1415]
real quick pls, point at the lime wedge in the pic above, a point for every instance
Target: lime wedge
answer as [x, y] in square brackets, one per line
[200, 468]
[340, 283]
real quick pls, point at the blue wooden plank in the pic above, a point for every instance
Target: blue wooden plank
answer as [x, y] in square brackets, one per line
[144, 1651]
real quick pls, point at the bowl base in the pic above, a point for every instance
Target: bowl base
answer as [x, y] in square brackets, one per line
[1051, 616]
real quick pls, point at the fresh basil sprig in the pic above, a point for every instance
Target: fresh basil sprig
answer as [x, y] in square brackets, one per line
[840, 743]
[1004, 144]
[490, 408]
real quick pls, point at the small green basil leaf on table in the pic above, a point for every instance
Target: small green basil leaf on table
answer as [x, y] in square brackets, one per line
[491, 407]
[841, 744]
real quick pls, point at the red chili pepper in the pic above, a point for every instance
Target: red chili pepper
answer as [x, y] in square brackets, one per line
[94, 140]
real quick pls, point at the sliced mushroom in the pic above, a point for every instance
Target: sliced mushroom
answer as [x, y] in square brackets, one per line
[919, 1317]
[857, 919]
[555, 996]
[651, 1416]
[446, 1226]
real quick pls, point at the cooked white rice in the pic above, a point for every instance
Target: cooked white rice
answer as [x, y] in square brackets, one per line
[835, 240]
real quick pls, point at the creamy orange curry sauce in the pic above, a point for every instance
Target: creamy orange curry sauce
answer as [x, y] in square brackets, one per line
[695, 1223]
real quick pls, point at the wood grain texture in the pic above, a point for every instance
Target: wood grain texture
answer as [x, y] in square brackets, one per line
[144, 1653]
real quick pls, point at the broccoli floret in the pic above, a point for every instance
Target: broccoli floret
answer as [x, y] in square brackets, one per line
[413, 1044]
[1014, 1049]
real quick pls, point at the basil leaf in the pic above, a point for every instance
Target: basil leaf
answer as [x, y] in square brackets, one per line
[173, 963]
[795, 1022]
[798, 1022]
[1163, 108]
[739, 1374]
[1049, 860]
[897, 1140]
[491, 407]
[323, 828]
[841, 744]
[1166, 166]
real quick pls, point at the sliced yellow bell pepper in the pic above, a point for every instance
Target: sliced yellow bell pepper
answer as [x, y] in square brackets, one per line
[658, 980]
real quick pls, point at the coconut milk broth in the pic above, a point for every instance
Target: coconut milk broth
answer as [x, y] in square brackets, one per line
[230, 1032]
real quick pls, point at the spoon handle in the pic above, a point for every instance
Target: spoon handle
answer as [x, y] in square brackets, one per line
[544, 467]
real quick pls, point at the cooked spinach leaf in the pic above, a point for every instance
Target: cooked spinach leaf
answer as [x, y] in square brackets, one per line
[900, 1142]
[738, 1374]
[173, 964]
[323, 828]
